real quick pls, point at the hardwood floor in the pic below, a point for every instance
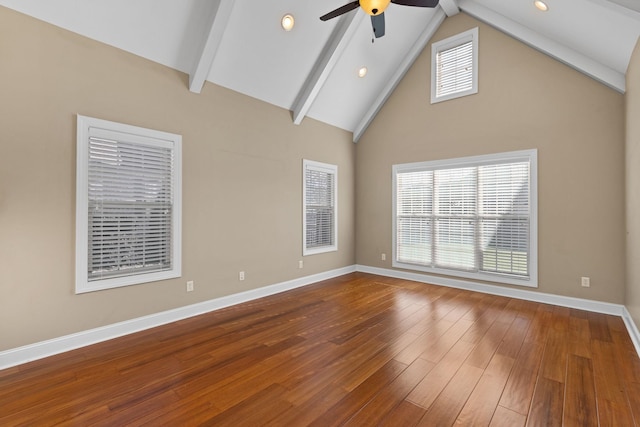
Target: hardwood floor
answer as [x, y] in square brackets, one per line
[358, 350]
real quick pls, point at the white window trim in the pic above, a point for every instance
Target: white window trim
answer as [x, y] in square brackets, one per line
[514, 156]
[84, 124]
[324, 167]
[448, 43]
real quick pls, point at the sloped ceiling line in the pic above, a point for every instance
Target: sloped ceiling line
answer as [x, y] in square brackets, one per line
[447, 8]
[407, 62]
[203, 63]
[328, 59]
[626, 7]
[562, 53]
[230, 42]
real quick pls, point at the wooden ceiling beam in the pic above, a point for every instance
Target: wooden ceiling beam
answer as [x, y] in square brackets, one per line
[562, 53]
[214, 34]
[327, 60]
[450, 7]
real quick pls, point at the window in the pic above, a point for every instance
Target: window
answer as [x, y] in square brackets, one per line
[472, 217]
[320, 220]
[454, 66]
[128, 205]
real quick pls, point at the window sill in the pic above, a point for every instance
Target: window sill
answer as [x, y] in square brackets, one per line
[530, 282]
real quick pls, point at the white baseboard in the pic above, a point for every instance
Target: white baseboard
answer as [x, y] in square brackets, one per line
[632, 328]
[570, 302]
[28, 353]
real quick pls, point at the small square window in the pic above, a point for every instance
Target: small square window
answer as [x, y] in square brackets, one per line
[454, 66]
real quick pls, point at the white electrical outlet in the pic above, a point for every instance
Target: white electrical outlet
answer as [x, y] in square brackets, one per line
[241, 275]
[383, 257]
[585, 282]
[300, 264]
[190, 286]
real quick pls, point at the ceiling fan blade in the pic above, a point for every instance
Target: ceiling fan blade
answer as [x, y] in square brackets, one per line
[418, 3]
[339, 11]
[377, 22]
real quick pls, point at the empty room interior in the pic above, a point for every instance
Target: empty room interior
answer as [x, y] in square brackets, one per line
[291, 213]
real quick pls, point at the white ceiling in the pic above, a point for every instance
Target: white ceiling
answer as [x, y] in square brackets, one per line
[312, 70]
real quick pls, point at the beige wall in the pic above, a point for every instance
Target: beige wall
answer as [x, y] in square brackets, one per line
[237, 150]
[241, 183]
[632, 98]
[525, 100]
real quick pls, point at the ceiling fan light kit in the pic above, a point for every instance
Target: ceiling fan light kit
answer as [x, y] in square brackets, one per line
[376, 9]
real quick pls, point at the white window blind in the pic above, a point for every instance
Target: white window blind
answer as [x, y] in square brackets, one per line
[504, 217]
[455, 66]
[454, 69]
[454, 211]
[472, 217]
[129, 194]
[319, 196]
[130, 208]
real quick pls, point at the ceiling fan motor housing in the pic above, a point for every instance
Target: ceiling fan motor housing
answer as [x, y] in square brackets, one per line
[374, 7]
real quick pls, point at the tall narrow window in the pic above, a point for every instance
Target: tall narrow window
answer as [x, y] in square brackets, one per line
[454, 66]
[473, 217]
[128, 205]
[320, 221]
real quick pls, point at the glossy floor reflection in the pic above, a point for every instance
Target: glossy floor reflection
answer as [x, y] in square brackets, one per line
[357, 350]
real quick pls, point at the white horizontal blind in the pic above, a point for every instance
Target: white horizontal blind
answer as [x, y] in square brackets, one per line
[454, 211]
[320, 207]
[414, 217]
[454, 69]
[468, 217]
[130, 208]
[504, 217]
[454, 66]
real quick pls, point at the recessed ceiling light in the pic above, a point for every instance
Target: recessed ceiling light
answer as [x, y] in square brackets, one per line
[287, 22]
[541, 5]
[362, 71]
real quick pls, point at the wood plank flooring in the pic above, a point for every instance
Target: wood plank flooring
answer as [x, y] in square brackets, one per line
[358, 350]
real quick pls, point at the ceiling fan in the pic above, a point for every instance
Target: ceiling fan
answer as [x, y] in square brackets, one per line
[376, 8]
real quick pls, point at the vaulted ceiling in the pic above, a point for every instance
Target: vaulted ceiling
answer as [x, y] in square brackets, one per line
[312, 70]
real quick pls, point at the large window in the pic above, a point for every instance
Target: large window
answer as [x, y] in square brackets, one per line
[454, 66]
[320, 208]
[128, 205]
[472, 217]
